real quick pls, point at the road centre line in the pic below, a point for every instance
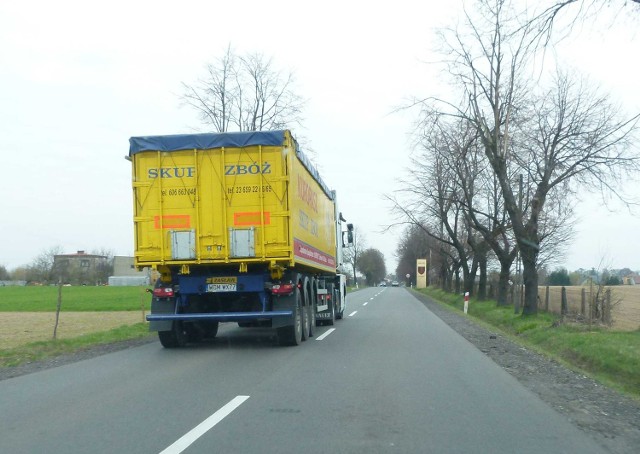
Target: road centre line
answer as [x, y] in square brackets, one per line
[353, 313]
[365, 303]
[187, 439]
[325, 334]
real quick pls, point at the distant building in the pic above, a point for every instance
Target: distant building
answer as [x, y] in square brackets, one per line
[125, 273]
[81, 268]
[123, 266]
[632, 279]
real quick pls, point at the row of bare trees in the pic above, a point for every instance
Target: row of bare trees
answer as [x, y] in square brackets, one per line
[43, 269]
[497, 164]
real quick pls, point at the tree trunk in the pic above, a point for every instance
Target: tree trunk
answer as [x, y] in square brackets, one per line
[530, 278]
[503, 284]
[482, 284]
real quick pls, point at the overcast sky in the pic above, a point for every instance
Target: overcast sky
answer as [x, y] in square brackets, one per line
[78, 78]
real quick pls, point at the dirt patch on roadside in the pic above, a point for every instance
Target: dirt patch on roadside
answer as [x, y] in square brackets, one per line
[19, 328]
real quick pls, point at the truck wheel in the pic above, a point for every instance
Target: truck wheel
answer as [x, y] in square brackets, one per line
[292, 335]
[340, 314]
[313, 303]
[332, 309]
[175, 338]
[305, 322]
[312, 319]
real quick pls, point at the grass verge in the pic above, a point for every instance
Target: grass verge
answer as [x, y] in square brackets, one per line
[76, 299]
[611, 357]
[48, 349]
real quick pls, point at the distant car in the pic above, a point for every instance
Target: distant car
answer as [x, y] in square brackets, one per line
[383, 284]
[394, 284]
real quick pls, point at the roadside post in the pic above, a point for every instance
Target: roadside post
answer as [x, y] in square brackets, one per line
[466, 302]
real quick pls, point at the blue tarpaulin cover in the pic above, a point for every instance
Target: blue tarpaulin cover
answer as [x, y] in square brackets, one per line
[205, 141]
[179, 142]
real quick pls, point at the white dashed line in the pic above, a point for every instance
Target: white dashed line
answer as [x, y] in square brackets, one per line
[206, 425]
[353, 313]
[329, 331]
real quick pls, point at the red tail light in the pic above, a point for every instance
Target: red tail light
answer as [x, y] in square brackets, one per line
[282, 289]
[163, 292]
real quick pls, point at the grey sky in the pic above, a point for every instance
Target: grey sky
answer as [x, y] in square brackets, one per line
[78, 78]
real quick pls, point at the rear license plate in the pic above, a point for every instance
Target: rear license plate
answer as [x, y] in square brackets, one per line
[221, 287]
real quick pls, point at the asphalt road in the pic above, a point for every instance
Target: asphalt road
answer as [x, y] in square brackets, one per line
[391, 377]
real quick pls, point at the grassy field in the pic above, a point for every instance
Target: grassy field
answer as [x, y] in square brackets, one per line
[612, 357]
[625, 301]
[74, 299]
[89, 316]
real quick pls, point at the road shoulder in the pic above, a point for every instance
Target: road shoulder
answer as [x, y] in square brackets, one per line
[609, 417]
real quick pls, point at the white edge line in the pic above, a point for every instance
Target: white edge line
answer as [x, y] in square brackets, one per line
[187, 439]
[353, 313]
[325, 334]
[367, 302]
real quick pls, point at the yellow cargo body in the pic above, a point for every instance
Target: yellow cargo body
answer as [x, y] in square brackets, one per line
[230, 198]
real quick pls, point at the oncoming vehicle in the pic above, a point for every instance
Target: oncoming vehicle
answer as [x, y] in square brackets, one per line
[395, 284]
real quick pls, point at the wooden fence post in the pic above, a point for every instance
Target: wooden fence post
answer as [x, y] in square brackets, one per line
[583, 302]
[55, 328]
[563, 302]
[546, 299]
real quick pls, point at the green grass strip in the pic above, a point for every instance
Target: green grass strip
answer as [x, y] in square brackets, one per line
[74, 299]
[48, 349]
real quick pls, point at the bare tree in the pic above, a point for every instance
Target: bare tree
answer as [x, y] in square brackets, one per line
[561, 138]
[245, 93]
[544, 22]
[432, 200]
[42, 269]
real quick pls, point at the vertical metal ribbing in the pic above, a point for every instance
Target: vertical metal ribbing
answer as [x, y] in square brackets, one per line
[261, 194]
[197, 204]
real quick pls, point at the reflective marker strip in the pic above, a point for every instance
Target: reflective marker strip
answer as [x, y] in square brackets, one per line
[329, 331]
[353, 313]
[206, 425]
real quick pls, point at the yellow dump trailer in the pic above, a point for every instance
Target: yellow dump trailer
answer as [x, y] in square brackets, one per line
[241, 227]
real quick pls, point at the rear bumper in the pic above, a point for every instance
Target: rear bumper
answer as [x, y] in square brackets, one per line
[220, 317]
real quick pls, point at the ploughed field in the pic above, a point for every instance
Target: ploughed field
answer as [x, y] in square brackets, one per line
[28, 314]
[625, 301]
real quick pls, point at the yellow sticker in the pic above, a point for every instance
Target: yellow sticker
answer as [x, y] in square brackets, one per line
[222, 280]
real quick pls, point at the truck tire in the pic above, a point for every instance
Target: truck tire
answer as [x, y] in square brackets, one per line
[292, 334]
[313, 306]
[331, 320]
[339, 314]
[175, 338]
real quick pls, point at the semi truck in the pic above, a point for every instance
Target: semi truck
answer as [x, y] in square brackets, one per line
[239, 227]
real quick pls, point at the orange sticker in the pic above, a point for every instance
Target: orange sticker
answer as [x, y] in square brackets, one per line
[251, 218]
[173, 221]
